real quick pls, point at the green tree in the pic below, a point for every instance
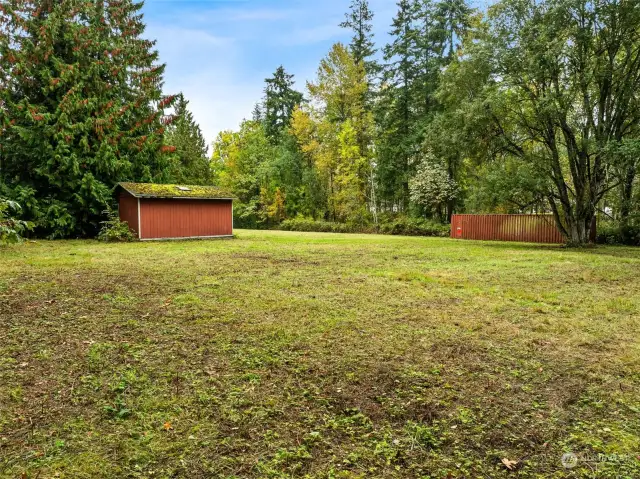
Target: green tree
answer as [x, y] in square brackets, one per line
[453, 20]
[241, 164]
[279, 102]
[190, 161]
[339, 123]
[359, 20]
[564, 76]
[396, 114]
[82, 108]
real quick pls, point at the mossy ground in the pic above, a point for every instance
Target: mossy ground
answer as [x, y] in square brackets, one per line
[316, 355]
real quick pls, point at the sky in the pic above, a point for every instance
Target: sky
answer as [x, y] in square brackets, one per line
[218, 52]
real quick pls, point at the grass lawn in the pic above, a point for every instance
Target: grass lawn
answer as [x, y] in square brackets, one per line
[316, 355]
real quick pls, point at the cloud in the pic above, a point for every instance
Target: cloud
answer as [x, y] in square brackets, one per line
[219, 53]
[310, 35]
[219, 101]
[211, 74]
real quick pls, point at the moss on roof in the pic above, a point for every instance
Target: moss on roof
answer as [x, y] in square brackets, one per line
[151, 190]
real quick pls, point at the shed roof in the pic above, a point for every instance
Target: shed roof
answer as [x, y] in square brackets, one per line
[152, 190]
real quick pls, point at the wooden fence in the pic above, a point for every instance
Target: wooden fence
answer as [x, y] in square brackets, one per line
[526, 228]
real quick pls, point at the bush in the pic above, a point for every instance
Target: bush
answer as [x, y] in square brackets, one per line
[11, 229]
[609, 233]
[115, 230]
[397, 226]
[414, 227]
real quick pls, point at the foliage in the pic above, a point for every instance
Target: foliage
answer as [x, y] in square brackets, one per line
[545, 58]
[408, 226]
[507, 186]
[614, 233]
[426, 36]
[82, 108]
[190, 159]
[334, 134]
[280, 99]
[432, 188]
[175, 191]
[113, 229]
[11, 228]
[359, 20]
[310, 225]
[404, 226]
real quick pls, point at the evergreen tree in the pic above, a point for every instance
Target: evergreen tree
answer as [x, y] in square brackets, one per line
[362, 46]
[396, 109]
[279, 102]
[82, 108]
[453, 20]
[190, 159]
[427, 53]
[425, 34]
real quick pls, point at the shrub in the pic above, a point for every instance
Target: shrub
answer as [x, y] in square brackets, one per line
[609, 233]
[414, 227]
[11, 229]
[397, 226]
[115, 230]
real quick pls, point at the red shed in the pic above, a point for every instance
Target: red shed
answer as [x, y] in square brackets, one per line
[156, 212]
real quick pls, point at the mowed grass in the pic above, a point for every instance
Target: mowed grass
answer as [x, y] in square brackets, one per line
[316, 355]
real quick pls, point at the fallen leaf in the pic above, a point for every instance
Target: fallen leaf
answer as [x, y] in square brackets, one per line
[509, 464]
[167, 426]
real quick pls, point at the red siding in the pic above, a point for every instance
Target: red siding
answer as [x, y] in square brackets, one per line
[185, 218]
[128, 209]
[526, 228]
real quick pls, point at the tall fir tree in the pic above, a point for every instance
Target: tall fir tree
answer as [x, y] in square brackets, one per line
[396, 109]
[426, 34]
[453, 20]
[279, 102]
[82, 108]
[359, 20]
[190, 162]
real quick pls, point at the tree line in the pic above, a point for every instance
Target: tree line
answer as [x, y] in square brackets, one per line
[527, 106]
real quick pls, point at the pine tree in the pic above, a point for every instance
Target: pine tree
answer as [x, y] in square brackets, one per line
[190, 159]
[279, 102]
[82, 108]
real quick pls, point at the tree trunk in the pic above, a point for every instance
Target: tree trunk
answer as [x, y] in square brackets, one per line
[577, 226]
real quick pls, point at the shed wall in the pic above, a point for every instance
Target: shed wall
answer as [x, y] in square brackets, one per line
[128, 210]
[185, 218]
[526, 228]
